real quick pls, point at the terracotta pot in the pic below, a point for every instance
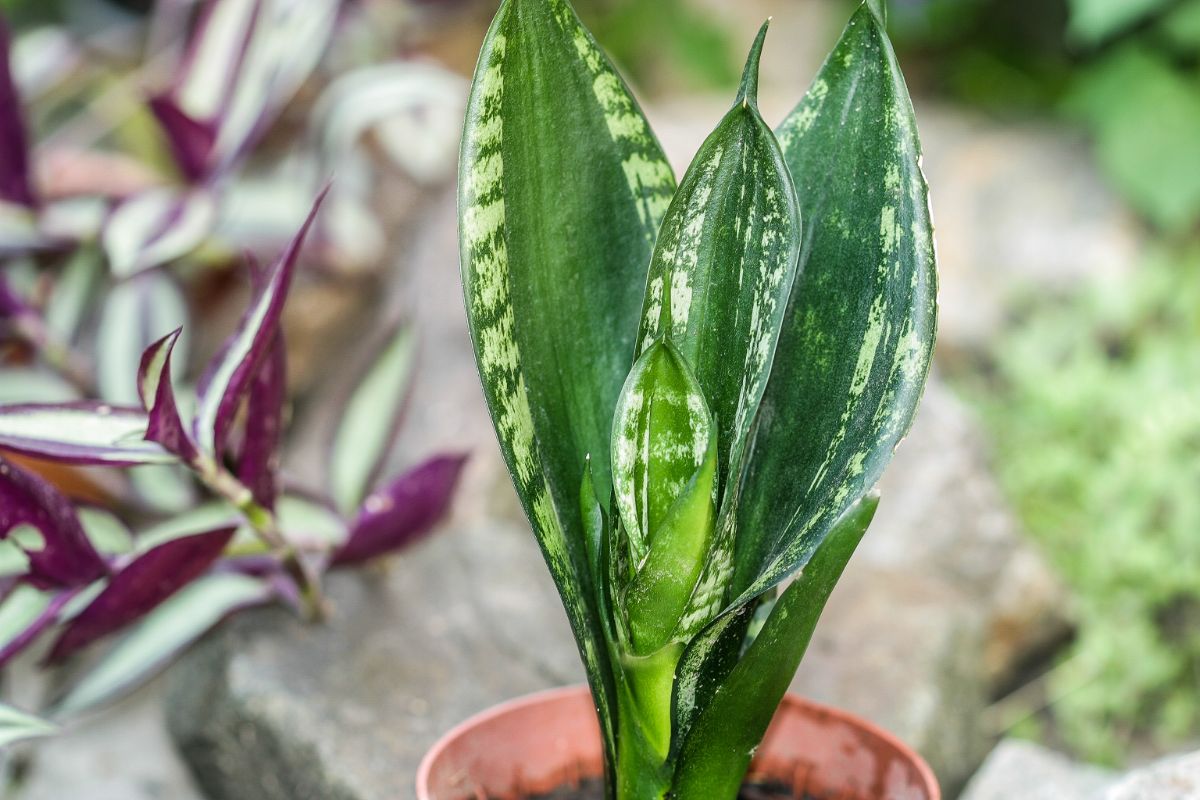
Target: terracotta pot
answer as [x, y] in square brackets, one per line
[538, 743]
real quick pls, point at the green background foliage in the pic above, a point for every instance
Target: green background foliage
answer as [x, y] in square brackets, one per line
[1094, 409]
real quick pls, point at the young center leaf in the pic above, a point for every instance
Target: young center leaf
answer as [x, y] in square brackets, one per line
[725, 261]
[562, 187]
[857, 335]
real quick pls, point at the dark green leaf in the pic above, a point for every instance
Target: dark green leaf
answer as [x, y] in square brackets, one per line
[724, 264]
[858, 332]
[562, 187]
[721, 742]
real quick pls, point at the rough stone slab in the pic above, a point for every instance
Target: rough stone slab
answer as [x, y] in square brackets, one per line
[123, 753]
[1175, 778]
[1020, 769]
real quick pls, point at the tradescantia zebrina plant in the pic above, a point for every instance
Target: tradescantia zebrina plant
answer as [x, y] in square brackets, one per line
[695, 386]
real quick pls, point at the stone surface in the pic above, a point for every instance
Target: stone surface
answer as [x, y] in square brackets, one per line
[1019, 769]
[270, 709]
[123, 753]
[1176, 778]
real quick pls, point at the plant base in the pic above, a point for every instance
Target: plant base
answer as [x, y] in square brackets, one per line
[539, 743]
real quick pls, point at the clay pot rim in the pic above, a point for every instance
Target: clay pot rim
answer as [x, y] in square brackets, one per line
[565, 692]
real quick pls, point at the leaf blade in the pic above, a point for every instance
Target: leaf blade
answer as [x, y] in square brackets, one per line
[84, 432]
[721, 742]
[858, 333]
[531, 261]
[161, 635]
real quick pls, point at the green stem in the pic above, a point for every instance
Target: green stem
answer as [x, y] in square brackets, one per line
[266, 526]
[644, 724]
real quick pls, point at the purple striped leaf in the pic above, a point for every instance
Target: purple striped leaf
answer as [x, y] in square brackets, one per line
[403, 511]
[138, 588]
[244, 61]
[158, 397]
[15, 185]
[258, 463]
[191, 140]
[230, 375]
[157, 226]
[65, 557]
[25, 615]
[84, 432]
[164, 633]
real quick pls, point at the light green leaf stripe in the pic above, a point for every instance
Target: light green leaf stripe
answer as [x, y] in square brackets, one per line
[725, 262]
[16, 726]
[553, 275]
[369, 421]
[858, 333]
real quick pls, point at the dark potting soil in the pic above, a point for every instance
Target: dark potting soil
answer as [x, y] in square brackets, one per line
[594, 790]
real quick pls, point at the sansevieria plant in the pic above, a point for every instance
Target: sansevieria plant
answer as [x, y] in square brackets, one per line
[695, 386]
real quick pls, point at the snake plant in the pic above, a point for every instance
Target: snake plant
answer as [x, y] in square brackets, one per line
[696, 385]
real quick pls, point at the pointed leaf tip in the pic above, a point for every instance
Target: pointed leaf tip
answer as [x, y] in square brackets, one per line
[748, 92]
[879, 8]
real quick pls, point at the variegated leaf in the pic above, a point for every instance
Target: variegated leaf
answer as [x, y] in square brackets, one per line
[60, 555]
[858, 331]
[724, 264]
[562, 188]
[721, 741]
[136, 313]
[25, 614]
[662, 432]
[17, 725]
[84, 432]
[162, 635]
[369, 422]
[157, 226]
[231, 373]
[140, 586]
[155, 387]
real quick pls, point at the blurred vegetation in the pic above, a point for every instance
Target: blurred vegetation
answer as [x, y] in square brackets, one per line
[1093, 404]
[648, 38]
[1127, 70]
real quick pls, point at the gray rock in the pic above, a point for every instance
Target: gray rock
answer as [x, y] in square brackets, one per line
[123, 753]
[1019, 769]
[1176, 778]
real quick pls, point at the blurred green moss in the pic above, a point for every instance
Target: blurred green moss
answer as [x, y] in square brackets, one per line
[1093, 404]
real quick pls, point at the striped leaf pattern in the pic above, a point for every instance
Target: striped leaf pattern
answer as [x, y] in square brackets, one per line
[562, 187]
[858, 332]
